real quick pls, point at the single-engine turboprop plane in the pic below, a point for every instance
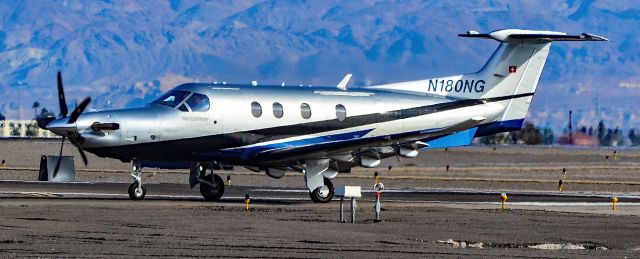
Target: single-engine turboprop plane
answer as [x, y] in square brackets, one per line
[318, 131]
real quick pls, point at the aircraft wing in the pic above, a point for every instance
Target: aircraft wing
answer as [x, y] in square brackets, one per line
[363, 146]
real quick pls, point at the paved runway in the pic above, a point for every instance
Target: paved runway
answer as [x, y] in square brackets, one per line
[264, 194]
[98, 220]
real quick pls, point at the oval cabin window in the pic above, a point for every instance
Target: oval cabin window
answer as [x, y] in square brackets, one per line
[278, 111]
[305, 111]
[341, 112]
[256, 109]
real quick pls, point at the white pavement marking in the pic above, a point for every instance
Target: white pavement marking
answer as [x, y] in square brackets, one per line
[453, 191]
[156, 196]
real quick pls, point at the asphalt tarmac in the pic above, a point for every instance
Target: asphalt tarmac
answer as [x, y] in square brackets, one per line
[269, 194]
[428, 210]
[98, 220]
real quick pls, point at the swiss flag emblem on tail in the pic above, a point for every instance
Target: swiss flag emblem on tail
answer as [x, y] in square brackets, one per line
[512, 69]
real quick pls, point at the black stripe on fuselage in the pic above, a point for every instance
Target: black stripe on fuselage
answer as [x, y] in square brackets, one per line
[188, 148]
[361, 120]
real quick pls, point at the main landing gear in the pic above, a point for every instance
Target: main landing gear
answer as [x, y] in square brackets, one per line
[136, 189]
[317, 177]
[323, 194]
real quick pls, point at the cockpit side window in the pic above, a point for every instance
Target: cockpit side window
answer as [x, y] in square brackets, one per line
[171, 98]
[198, 102]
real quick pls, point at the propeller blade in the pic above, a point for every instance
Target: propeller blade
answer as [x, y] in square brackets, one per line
[77, 142]
[78, 110]
[55, 171]
[83, 155]
[61, 101]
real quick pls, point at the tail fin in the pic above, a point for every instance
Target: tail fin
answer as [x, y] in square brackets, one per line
[515, 67]
[513, 70]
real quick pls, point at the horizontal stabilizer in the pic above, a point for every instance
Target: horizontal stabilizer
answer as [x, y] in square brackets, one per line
[524, 36]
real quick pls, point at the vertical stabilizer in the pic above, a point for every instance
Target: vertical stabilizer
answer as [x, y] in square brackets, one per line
[511, 74]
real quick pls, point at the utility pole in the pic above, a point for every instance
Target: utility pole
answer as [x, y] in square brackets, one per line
[19, 101]
[597, 102]
[570, 128]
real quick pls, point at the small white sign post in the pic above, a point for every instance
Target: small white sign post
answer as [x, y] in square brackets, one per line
[351, 192]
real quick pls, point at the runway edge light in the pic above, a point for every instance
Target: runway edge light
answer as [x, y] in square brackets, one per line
[560, 185]
[504, 198]
[247, 200]
[379, 187]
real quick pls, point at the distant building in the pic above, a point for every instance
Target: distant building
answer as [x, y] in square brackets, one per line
[579, 139]
[23, 129]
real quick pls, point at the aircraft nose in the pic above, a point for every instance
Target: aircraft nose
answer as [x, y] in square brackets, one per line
[61, 127]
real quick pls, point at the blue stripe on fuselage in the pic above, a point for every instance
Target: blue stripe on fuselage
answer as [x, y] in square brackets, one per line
[249, 152]
[457, 139]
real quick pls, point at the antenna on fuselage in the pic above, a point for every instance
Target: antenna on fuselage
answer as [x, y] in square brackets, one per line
[345, 81]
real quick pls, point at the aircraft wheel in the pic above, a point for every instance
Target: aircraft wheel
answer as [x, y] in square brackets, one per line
[137, 192]
[323, 194]
[212, 193]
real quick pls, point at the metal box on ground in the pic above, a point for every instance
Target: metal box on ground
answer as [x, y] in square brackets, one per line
[66, 171]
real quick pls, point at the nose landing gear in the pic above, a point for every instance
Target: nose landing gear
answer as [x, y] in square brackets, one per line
[136, 189]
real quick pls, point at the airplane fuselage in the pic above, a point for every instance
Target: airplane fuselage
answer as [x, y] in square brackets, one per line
[231, 131]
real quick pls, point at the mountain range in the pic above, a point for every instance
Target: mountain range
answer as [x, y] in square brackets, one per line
[126, 53]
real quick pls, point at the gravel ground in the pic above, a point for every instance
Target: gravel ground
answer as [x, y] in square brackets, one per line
[89, 228]
[122, 228]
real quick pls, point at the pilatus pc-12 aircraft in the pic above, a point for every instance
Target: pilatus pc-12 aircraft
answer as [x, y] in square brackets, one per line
[317, 131]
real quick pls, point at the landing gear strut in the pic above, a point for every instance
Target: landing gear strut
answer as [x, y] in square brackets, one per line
[136, 189]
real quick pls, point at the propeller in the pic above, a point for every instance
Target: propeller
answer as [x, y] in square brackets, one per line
[55, 171]
[78, 110]
[76, 139]
[61, 101]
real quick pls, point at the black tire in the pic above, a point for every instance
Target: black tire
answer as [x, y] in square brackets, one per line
[323, 194]
[210, 193]
[135, 194]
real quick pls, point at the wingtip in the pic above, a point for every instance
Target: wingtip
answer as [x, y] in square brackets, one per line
[594, 37]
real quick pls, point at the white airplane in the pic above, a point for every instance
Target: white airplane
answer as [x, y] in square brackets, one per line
[318, 131]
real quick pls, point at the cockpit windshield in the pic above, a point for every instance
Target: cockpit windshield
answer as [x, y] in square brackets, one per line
[171, 98]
